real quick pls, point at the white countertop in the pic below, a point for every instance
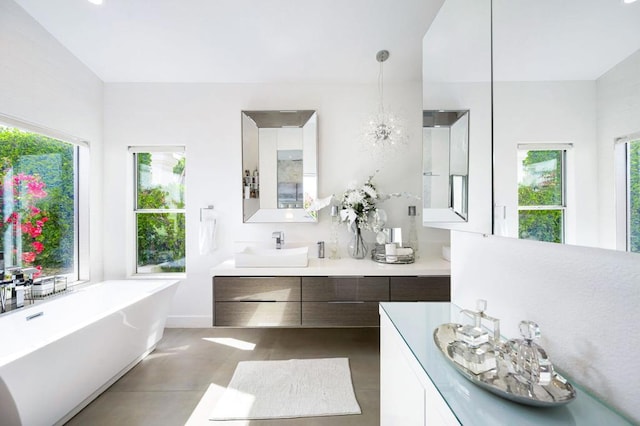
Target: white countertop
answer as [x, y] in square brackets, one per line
[471, 404]
[424, 266]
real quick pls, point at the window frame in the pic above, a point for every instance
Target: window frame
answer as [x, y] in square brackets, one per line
[563, 148]
[81, 218]
[622, 155]
[133, 151]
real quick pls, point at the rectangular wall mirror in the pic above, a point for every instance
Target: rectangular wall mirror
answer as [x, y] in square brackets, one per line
[279, 165]
[445, 166]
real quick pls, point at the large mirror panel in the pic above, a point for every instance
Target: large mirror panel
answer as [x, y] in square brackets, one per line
[566, 98]
[280, 166]
[456, 73]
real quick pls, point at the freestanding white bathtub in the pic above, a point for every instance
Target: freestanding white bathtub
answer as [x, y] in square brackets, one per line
[57, 356]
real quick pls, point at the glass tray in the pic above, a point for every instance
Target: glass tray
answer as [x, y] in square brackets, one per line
[504, 383]
[378, 255]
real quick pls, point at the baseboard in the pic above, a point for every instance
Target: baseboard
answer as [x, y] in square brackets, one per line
[189, 321]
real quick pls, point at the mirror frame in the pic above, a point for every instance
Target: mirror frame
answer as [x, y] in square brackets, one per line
[252, 212]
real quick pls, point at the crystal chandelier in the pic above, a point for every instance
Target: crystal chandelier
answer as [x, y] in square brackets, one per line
[384, 132]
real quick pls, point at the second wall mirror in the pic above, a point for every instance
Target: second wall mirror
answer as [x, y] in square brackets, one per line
[279, 165]
[445, 166]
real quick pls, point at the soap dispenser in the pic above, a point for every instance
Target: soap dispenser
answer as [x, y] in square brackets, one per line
[412, 235]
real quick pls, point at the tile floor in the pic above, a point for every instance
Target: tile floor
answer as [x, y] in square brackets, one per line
[179, 383]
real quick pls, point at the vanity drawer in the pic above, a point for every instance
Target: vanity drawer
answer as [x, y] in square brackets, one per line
[339, 289]
[414, 289]
[269, 289]
[340, 314]
[257, 314]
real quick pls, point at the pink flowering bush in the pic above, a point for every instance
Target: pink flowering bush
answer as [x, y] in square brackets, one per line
[27, 217]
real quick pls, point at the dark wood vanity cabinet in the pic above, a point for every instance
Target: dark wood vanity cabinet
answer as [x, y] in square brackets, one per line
[420, 289]
[342, 301]
[257, 301]
[317, 301]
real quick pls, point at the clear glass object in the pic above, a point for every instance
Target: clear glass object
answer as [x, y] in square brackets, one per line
[477, 359]
[474, 347]
[334, 241]
[412, 237]
[480, 319]
[357, 247]
[530, 361]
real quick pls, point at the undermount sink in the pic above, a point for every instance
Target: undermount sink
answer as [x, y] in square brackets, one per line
[252, 257]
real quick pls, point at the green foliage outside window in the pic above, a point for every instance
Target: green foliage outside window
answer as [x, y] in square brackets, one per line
[634, 196]
[29, 162]
[542, 186]
[546, 190]
[540, 225]
[160, 236]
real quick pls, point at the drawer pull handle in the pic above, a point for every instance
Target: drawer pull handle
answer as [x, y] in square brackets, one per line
[348, 301]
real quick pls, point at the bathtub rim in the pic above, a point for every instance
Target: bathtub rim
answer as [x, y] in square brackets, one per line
[28, 310]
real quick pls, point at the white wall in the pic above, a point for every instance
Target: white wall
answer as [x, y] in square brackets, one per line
[41, 83]
[206, 119]
[584, 299]
[548, 112]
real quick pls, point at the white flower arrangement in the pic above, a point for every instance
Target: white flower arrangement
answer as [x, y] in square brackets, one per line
[358, 205]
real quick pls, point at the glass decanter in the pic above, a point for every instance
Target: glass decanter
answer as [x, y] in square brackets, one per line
[474, 347]
[529, 360]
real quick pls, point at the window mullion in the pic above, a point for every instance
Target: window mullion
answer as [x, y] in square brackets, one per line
[160, 211]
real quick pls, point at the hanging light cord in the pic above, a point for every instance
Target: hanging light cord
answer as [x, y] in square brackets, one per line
[381, 88]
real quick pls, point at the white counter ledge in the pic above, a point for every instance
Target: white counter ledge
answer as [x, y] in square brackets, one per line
[418, 386]
[424, 266]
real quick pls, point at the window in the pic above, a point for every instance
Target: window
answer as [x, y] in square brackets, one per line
[541, 194]
[628, 190]
[39, 202]
[159, 209]
[633, 196]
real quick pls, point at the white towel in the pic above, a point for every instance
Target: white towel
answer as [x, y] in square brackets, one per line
[207, 232]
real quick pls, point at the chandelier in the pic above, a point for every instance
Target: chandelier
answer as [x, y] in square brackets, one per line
[384, 132]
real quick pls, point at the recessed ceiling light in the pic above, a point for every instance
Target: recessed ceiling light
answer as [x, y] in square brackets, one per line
[628, 1]
[100, 1]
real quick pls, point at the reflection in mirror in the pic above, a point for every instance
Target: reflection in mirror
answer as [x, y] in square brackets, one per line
[456, 76]
[279, 162]
[445, 166]
[290, 189]
[566, 107]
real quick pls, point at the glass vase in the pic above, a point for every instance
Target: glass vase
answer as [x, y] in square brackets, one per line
[357, 247]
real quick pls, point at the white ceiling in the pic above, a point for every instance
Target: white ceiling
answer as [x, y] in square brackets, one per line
[562, 40]
[240, 40]
[532, 40]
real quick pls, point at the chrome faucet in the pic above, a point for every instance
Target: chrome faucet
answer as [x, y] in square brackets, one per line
[279, 236]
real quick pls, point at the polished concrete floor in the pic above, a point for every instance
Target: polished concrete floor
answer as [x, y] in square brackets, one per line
[180, 382]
